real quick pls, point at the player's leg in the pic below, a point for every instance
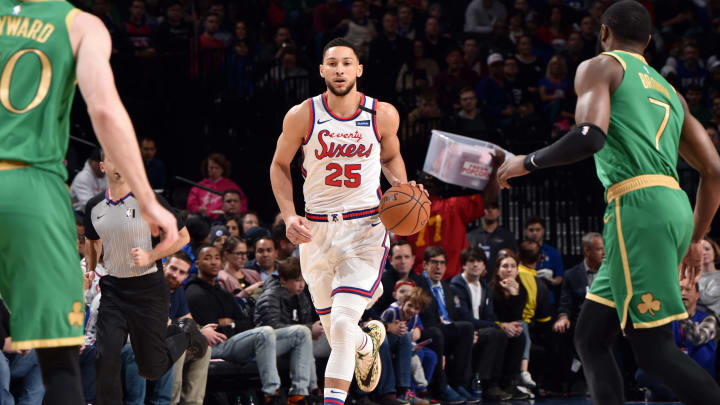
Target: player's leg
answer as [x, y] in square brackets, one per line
[355, 287]
[318, 272]
[596, 331]
[40, 277]
[598, 324]
[657, 354]
[347, 339]
[665, 230]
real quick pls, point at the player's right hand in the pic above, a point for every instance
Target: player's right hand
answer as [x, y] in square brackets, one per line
[297, 230]
[691, 266]
[162, 223]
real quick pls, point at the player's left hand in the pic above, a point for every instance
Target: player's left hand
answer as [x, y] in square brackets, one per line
[512, 167]
[691, 266]
[140, 257]
[420, 186]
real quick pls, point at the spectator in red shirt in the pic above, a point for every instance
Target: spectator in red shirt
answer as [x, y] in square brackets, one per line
[448, 221]
[216, 169]
[210, 28]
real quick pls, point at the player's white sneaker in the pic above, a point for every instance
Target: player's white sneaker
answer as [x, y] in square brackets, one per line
[368, 366]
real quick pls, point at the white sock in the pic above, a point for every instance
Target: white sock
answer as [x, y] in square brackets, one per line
[334, 396]
[366, 345]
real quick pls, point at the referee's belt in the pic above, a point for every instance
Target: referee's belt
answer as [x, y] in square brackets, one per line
[640, 182]
[12, 164]
[342, 216]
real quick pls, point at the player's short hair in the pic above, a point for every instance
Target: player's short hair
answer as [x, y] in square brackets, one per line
[629, 21]
[419, 298]
[401, 242]
[340, 42]
[529, 252]
[535, 220]
[289, 269]
[433, 251]
[473, 253]
[180, 255]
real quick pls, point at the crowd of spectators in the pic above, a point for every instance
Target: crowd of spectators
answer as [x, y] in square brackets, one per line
[479, 315]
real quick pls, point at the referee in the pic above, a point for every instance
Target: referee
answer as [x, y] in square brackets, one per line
[135, 297]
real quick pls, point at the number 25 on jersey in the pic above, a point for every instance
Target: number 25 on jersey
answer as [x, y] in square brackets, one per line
[350, 172]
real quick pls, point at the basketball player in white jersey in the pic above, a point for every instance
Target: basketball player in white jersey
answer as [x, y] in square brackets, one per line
[346, 139]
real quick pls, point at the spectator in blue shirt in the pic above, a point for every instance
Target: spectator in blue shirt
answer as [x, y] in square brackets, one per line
[491, 90]
[550, 258]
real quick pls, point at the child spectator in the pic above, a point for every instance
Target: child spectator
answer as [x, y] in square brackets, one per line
[410, 301]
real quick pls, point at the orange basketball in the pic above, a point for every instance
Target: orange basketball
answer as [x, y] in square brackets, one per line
[404, 209]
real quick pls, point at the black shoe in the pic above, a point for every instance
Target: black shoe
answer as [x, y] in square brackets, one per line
[363, 400]
[197, 344]
[496, 394]
[391, 399]
[516, 394]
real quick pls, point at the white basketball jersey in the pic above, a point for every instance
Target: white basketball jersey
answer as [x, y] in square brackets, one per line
[341, 159]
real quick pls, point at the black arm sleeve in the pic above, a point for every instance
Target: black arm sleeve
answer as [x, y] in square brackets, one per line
[578, 144]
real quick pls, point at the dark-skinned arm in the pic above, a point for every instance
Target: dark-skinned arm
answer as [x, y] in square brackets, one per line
[595, 81]
[698, 150]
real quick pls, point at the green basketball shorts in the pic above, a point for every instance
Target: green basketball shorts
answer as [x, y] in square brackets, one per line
[648, 227]
[40, 277]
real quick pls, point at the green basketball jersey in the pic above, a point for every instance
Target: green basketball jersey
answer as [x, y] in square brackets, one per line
[646, 119]
[37, 82]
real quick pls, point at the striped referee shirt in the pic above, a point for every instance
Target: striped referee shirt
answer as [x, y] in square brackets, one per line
[122, 228]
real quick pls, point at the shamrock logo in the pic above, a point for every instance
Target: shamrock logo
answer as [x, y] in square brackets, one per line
[648, 304]
[77, 315]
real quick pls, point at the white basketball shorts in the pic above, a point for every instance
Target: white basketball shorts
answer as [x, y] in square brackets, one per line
[346, 256]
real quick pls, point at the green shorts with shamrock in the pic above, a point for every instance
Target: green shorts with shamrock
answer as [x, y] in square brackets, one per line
[648, 227]
[40, 277]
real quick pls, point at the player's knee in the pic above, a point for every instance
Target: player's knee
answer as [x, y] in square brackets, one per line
[341, 329]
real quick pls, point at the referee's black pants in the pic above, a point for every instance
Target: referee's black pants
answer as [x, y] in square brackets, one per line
[139, 306]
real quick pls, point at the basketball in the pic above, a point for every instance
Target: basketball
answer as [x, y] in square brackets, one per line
[404, 209]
